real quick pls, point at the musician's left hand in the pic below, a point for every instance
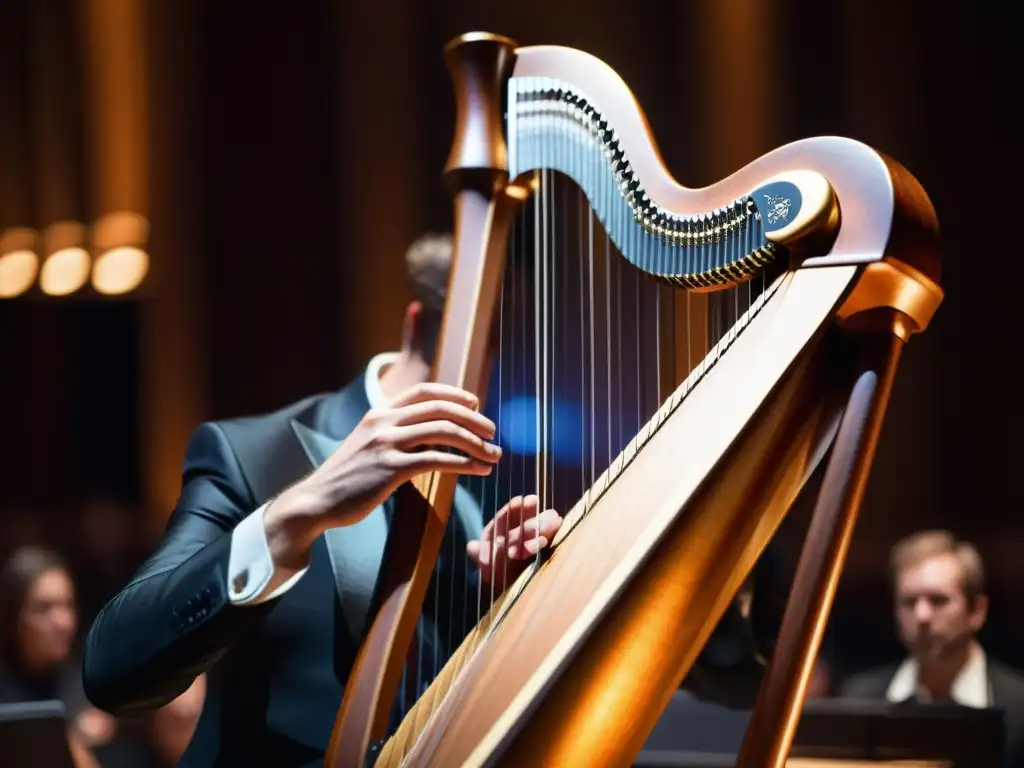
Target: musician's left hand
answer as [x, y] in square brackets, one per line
[516, 534]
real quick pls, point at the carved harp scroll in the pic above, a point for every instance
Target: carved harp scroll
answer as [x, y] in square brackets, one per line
[576, 662]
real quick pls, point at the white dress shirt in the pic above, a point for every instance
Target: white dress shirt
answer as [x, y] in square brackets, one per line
[252, 574]
[970, 687]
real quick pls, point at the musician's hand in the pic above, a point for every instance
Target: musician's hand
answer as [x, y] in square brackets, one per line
[389, 447]
[517, 533]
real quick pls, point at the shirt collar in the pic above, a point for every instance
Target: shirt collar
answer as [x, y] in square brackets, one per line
[374, 394]
[970, 687]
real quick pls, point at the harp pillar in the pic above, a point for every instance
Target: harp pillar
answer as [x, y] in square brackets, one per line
[892, 302]
[476, 174]
[780, 700]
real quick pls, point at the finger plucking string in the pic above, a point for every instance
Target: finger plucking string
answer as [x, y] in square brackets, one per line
[434, 391]
[546, 524]
[439, 410]
[445, 433]
[417, 462]
[511, 516]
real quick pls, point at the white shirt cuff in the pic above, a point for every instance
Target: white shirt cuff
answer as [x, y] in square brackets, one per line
[252, 575]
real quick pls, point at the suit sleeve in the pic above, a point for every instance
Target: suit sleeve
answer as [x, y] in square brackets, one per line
[176, 618]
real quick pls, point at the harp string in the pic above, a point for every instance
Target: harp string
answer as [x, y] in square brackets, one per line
[566, 285]
[540, 335]
[586, 402]
[654, 336]
[592, 333]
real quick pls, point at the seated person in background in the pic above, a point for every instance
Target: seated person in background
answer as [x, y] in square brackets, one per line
[38, 621]
[940, 606]
[38, 626]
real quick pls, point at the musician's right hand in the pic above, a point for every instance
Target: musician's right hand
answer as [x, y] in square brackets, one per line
[388, 447]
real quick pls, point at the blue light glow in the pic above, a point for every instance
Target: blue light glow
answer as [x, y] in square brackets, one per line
[518, 428]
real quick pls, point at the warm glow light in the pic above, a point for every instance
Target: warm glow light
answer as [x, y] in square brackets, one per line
[120, 270]
[64, 271]
[18, 270]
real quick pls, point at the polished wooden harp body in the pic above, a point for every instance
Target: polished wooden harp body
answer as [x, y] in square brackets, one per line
[576, 660]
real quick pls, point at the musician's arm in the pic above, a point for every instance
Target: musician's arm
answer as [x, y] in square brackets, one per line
[210, 582]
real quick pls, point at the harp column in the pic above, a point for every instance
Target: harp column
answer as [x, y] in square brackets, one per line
[476, 174]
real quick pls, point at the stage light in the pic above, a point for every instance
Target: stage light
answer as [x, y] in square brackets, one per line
[116, 83]
[120, 270]
[66, 266]
[19, 263]
[122, 263]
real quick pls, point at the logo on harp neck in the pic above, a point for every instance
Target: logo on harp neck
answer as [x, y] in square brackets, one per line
[778, 208]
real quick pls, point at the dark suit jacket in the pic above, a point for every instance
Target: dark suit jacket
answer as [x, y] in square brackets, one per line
[1007, 686]
[276, 670]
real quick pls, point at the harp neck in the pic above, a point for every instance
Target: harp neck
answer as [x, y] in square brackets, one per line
[476, 174]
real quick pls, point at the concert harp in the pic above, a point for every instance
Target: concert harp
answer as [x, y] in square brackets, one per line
[833, 248]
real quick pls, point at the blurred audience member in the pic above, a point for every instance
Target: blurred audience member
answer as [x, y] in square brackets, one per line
[940, 606]
[38, 621]
[38, 625]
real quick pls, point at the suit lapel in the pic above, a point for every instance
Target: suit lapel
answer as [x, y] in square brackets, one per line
[355, 551]
[269, 472]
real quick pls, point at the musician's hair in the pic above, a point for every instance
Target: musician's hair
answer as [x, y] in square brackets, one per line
[924, 545]
[428, 261]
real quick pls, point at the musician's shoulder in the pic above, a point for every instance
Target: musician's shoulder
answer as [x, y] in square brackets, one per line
[243, 432]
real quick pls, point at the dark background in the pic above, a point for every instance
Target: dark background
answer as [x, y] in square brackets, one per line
[295, 150]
